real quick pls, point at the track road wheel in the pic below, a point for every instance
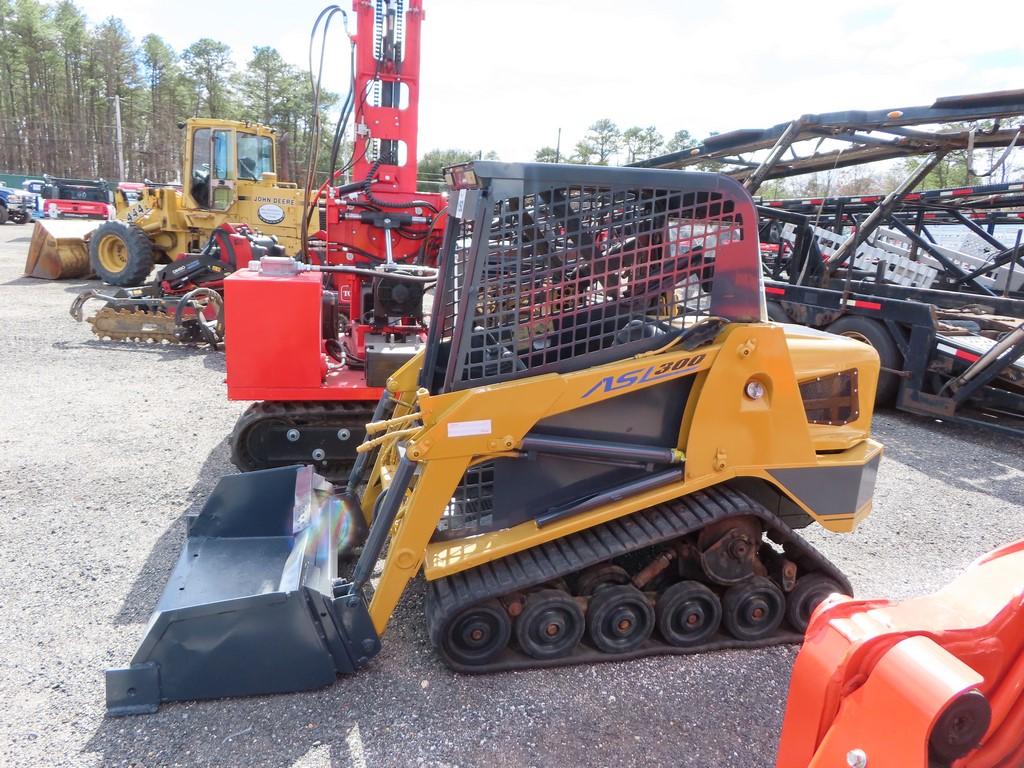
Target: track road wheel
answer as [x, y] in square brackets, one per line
[754, 609]
[121, 253]
[478, 634]
[868, 331]
[550, 625]
[809, 591]
[689, 613]
[619, 619]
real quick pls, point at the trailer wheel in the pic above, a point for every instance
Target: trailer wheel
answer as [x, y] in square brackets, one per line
[872, 332]
[121, 253]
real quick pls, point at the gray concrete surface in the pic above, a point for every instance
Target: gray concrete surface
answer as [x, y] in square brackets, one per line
[104, 447]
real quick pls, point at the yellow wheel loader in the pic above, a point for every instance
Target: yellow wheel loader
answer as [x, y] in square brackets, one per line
[228, 177]
[604, 451]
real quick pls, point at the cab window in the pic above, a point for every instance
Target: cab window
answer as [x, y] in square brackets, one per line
[255, 156]
[199, 183]
[223, 193]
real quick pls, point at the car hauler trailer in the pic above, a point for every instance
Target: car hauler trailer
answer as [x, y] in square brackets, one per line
[948, 324]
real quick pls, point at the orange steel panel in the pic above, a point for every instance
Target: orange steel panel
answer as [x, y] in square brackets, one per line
[876, 676]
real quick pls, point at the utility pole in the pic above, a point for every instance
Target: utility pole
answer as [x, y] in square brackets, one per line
[120, 138]
[558, 147]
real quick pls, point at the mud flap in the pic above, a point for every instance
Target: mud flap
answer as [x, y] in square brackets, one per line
[254, 605]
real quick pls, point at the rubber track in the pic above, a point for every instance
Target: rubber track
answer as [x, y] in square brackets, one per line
[446, 597]
[302, 413]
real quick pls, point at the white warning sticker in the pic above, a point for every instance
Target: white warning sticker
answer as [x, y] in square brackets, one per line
[469, 428]
[460, 206]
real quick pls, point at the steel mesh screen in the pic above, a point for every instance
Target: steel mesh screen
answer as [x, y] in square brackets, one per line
[570, 274]
[455, 278]
[471, 506]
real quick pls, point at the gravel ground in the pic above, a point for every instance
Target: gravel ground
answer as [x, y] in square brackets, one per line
[104, 447]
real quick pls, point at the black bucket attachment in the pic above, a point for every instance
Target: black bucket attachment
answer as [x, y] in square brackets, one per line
[254, 604]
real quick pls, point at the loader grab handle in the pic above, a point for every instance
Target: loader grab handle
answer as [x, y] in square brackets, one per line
[382, 426]
[369, 445]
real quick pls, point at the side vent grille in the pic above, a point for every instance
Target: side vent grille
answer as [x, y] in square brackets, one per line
[831, 399]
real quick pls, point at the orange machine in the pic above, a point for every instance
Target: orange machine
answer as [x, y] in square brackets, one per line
[934, 681]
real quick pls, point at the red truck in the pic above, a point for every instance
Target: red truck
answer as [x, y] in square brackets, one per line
[76, 199]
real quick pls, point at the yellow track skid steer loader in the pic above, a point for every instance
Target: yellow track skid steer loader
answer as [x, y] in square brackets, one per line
[603, 452]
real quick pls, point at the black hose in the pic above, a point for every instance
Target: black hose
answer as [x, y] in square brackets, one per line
[395, 275]
[421, 257]
[367, 188]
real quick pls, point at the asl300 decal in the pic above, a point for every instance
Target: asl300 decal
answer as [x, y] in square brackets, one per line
[645, 375]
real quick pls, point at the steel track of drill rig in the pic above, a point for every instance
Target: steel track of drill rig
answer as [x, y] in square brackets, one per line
[315, 384]
[602, 452]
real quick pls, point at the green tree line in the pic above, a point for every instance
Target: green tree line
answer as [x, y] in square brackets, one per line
[59, 75]
[605, 144]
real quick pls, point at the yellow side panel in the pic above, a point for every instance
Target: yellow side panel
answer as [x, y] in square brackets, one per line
[727, 433]
[731, 430]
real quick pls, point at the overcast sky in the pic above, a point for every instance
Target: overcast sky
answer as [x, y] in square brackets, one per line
[506, 75]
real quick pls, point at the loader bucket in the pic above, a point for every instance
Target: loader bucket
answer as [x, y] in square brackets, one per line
[253, 605]
[59, 249]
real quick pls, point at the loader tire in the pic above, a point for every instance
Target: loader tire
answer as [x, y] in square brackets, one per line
[868, 331]
[121, 254]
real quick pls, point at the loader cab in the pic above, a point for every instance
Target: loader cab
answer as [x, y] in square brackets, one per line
[220, 155]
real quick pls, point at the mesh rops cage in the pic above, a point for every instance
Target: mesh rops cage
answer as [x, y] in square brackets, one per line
[555, 268]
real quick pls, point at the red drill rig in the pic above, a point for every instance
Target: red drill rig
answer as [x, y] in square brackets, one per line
[352, 313]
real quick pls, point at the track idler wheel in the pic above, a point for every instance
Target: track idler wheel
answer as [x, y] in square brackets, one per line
[619, 619]
[550, 625]
[597, 577]
[478, 634]
[810, 590]
[689, 613]
[753, 610]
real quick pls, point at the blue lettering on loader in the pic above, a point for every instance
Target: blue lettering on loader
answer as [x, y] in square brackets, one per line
[642, 376]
